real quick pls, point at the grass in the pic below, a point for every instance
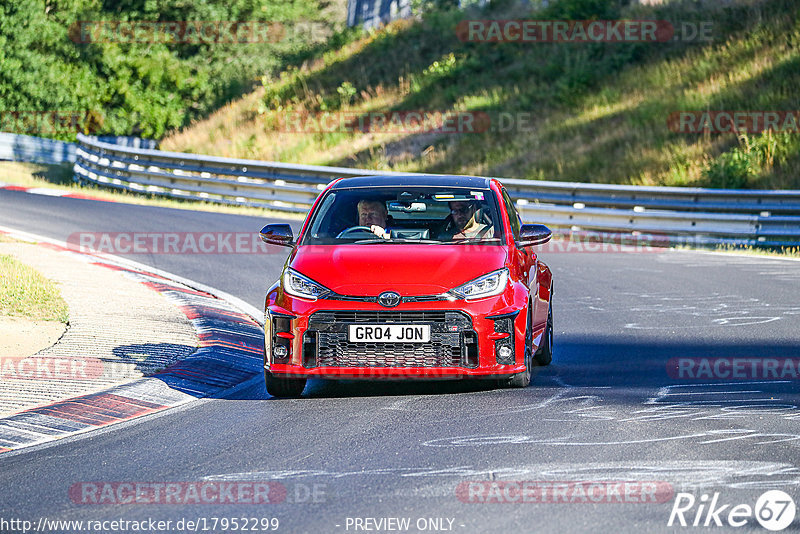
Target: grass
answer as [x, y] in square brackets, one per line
[26, 293]
[598, 112]
[782, 252]
[60, 177]
[791, 252]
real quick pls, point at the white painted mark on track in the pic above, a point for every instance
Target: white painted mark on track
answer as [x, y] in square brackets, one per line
[686, 475]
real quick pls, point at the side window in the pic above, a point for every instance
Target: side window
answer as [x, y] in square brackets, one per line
[513, 216]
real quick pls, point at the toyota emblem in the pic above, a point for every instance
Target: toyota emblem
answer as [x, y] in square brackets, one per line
[389, 299]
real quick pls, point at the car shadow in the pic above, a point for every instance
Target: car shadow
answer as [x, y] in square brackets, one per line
[628, 366]
[200, 372]
[389, 388]
[148, 358]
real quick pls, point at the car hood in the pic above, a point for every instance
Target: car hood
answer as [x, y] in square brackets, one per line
[368, 270]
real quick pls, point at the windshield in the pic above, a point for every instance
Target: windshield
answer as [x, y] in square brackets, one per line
[406, 215]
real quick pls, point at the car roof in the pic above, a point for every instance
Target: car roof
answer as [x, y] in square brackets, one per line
[413, 180]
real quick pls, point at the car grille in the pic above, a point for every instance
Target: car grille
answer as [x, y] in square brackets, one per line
[444, 350]
[453, 342]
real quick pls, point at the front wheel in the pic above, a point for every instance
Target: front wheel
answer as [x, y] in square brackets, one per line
[544, 354]
[283, 387]
[523, 379]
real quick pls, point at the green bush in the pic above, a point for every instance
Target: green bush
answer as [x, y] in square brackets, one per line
[141, 89]
[754, 156]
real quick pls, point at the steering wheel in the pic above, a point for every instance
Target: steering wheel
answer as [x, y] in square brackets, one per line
[354, 229]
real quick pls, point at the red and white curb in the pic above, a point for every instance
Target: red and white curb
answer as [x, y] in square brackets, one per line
[50, 192]
[230, 353]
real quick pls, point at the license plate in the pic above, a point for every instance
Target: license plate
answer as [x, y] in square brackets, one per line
[390, 333]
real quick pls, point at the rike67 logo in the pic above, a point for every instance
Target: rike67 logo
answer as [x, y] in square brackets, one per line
[774, 510]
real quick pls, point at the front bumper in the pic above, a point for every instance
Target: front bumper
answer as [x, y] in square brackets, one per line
[465, 340]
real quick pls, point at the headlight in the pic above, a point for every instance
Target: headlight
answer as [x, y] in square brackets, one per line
[484, 286]
[298, 285]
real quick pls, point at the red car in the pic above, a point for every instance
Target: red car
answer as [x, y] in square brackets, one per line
[409, 277]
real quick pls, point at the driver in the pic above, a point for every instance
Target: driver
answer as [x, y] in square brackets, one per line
[466, 225]
[373, 214]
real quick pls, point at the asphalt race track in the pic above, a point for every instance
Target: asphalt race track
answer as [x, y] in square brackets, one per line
[607, 409]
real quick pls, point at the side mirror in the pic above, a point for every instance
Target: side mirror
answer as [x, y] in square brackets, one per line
[277, 234]
[534, 234]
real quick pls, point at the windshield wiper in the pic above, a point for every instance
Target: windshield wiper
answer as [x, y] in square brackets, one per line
[393, 240]
[470, 240]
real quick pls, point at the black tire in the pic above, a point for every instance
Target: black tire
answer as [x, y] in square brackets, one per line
[523, 379]
[544, 354]
[283, 387]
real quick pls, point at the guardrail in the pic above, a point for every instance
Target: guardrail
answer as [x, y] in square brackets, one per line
[689, 214]
[19, 147]
[16, 147]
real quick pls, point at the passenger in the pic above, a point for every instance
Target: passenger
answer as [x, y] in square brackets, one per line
[465, 224]
[373, 214]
